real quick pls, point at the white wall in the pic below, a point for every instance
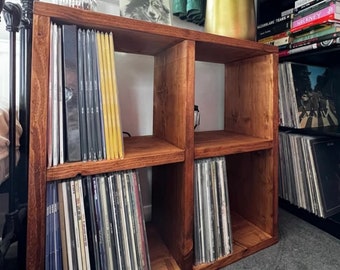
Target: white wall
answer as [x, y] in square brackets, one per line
[135, 83]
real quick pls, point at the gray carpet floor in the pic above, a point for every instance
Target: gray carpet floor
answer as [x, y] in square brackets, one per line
[301, 246]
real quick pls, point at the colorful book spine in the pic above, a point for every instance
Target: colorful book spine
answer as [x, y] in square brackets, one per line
[300, 3]
[306, 5]
[313, 46]
[273, 29]
[322, 30]
[104, 95]
[279, 41]
[318, 17]
[273, 37]
[273, 22]
[311, 9]
[314, 40]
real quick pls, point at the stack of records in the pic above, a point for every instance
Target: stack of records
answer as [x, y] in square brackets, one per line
[96, 222]
[310, 172]
[213, 237]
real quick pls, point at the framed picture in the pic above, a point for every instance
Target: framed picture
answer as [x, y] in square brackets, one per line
[157, 11]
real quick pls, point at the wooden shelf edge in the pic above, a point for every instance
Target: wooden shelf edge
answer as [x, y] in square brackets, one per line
[140, 152]
[221, 143]
[91, 19]
[160, 256]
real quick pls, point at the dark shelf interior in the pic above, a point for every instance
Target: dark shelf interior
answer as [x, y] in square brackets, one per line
[320, 131]
[271, 9]
[326, 56]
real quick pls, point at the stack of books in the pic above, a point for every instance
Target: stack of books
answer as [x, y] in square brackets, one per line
[276, 31]
[314, 24]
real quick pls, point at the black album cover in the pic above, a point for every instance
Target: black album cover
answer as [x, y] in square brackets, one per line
[326, 154]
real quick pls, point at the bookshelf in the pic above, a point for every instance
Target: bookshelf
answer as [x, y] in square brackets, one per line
[268, 10]
[249, 139]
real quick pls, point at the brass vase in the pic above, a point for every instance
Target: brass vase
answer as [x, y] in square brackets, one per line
[232, 18]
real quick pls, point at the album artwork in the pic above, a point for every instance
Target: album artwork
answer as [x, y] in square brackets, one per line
[157, 11]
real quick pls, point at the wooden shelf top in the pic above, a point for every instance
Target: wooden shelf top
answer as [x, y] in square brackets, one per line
[220, 143]
[141, 37]
[144, 151]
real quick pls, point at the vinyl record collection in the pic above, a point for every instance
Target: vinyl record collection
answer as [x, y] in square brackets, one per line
[84, 118]
[310, 172]
[212, 237]
[96, 222]
[308, 95]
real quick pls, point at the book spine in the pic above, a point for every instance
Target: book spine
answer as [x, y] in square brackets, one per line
[307, 5]
[277, 28]
[318, 21]
[303, 3]
[279, 41]
[324, 30]
[311, 9]
[273, 37]
[273, 22]
[314, 40]
[287, 12]
[313, 46]
[327, 12]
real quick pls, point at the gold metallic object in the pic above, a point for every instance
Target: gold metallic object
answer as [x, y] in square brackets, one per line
[232, 18]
